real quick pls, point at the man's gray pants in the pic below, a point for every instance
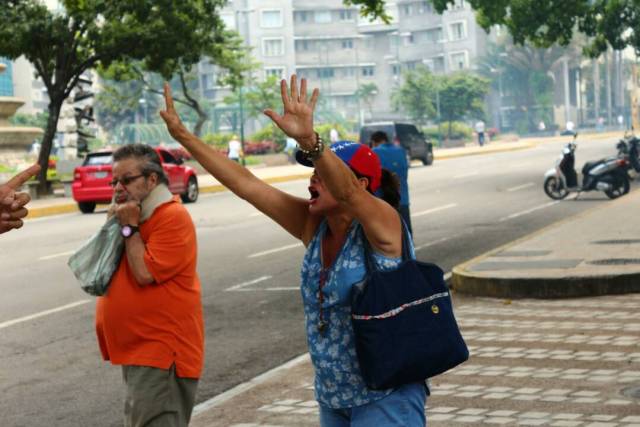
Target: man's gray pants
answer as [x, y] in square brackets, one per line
[157, 397]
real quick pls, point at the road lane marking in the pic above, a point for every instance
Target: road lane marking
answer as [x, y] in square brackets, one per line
[61, 254]
[528, 211]
[520, 187]
[427, 212]
[435, 242]
[42, 313]
[292, 288]
[271, 251]
[465, 175]
[249, 283]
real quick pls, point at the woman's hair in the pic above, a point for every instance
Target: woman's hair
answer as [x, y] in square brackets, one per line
[389, 190]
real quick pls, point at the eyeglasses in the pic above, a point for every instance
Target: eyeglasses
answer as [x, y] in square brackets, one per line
[125, 181]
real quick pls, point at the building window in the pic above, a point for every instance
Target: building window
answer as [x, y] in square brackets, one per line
[302, 16]
[458, 60]
[277, 72]
[302, 45]
[395, 70]
[406, 9]
[229, 20]
[433, 35]
[349, 72]
[409, 39]
[458, 30]
[425, 7]
[273, 46]
[347, 44]
[271, 18]
[368, 71]
[346, 15]
[322, 16]
[325, 73]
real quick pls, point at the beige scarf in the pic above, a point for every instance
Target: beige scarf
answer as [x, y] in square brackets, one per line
[158, 196]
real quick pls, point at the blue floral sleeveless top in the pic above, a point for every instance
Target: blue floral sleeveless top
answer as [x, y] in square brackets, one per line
[338, 382]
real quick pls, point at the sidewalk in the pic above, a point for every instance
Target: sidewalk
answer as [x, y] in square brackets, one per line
[272, 174]
[595, 253]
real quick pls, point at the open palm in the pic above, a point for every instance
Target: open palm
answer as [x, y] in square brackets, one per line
[297, 118]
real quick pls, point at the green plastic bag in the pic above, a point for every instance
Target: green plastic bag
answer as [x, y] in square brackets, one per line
[97, 260]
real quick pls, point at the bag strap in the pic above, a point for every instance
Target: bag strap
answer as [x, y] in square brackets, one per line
[368, 250]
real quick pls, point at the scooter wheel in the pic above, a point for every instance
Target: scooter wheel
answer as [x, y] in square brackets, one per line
[621, 187]
[555, 189]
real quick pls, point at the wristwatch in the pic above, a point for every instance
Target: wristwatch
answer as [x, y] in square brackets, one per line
[129, 230]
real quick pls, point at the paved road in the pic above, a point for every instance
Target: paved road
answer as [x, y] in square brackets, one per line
[50, 372]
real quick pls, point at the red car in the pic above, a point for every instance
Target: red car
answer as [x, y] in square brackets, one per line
[91, 180]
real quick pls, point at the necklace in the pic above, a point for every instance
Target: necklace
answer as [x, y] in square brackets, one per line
[322, 324]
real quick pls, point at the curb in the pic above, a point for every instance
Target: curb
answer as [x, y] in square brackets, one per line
[479, 151]
[466, 282]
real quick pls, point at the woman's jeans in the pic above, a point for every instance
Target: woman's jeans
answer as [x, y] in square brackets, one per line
[402, 408]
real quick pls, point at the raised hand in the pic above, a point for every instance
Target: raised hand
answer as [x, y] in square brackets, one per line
[297, 118]
[12, 204]
[170, 116]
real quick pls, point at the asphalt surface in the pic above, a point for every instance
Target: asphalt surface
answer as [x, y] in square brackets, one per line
[50, 368]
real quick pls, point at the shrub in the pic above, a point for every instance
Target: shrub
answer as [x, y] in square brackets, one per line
[459, 130]
[271, 134]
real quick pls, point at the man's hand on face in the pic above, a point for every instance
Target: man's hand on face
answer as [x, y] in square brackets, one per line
[128, 212]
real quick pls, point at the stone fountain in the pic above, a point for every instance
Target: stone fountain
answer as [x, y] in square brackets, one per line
[14, 140]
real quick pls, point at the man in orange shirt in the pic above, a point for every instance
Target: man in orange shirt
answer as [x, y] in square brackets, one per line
[150, 321]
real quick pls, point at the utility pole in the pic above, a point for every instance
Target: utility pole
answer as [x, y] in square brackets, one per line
[635, 117]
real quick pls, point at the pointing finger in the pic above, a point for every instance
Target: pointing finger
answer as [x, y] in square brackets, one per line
[168, 98]
[24, 176]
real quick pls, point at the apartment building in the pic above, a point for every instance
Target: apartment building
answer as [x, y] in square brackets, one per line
[339, 51]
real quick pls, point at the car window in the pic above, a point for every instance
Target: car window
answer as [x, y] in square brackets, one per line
[168, 157]
[409, 134]
[98, 159]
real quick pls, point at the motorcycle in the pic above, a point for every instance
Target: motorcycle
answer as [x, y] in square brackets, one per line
[608, 175]
[629, 149]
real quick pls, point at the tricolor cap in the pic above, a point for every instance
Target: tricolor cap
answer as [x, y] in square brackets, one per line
[358, 157]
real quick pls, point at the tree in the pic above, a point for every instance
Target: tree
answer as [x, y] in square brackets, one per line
[227, 52]
[62, 45]
[461, 94]
[546, 22]
[524, 73]
[367, 93]
[258, 97]
[417, 95]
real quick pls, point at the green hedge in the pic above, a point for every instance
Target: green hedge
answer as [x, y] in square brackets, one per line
[459, 130]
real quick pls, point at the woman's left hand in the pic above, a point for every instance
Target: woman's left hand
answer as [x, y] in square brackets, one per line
[297, 120]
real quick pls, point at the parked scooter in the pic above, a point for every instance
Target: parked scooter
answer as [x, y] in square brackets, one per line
[629, 149]
[608, 175]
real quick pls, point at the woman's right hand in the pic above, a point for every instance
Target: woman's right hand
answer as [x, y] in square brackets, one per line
[170, 116]
[297, 119]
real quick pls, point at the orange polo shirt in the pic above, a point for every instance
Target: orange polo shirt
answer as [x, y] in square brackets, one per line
[159, 324]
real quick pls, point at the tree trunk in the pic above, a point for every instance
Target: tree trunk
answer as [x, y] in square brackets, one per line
[202, 118]
[44, 187]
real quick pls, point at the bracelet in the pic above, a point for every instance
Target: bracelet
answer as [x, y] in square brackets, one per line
[316, 151]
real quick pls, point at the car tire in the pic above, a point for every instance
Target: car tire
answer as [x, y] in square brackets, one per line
[87, 207]
[192, 191]
[428, 158]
